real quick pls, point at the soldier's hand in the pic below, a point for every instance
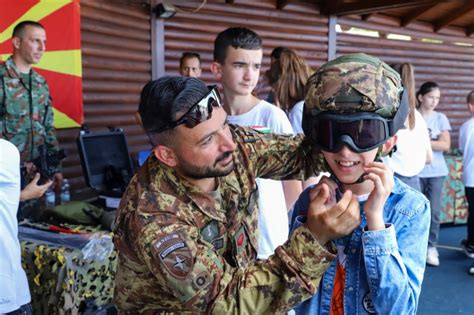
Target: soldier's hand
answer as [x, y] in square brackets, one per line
[33, 190]
[328, 221]
[332, 185]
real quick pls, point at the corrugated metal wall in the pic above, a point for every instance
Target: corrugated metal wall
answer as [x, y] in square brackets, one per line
[449, 64]
[116, 52]
[116, 63]
[298, 26]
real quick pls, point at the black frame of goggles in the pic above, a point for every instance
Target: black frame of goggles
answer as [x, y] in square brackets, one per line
[198, 113]
[331, 131]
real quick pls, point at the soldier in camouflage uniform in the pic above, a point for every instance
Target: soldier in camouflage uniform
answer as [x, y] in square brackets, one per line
[186, 228]
[26, 113]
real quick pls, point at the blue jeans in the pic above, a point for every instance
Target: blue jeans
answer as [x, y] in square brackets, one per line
[470, 219]
[412, 181]
[432, 187]
[26, 309]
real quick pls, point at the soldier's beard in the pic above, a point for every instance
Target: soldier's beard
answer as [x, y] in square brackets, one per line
[200, 172]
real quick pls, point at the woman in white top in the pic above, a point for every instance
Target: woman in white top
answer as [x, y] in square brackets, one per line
[432, 176]
[413, 143]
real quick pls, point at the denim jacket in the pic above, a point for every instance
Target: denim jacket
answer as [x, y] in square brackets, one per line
[384, 268]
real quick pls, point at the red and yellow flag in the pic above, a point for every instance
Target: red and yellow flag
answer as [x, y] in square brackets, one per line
[61, 64]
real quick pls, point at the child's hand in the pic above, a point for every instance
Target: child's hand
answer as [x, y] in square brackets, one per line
[382, 177]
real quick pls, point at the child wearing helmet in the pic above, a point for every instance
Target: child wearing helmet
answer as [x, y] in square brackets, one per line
[354, 106]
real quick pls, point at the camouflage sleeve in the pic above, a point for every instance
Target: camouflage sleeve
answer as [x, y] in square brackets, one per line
[189, 268]
[278, 156]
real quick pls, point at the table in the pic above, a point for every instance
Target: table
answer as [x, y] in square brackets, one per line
[61, 281]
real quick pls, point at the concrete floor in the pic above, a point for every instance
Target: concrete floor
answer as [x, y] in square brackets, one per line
[448, 289]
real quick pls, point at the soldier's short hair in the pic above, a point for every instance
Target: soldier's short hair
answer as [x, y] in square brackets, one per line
[162, 100]
[20, 27]
[236, 37]
[189, 55]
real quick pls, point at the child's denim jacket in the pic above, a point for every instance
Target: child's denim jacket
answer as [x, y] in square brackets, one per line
[384, 269]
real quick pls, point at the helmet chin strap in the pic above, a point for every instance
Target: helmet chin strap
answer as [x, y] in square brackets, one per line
[361, 179]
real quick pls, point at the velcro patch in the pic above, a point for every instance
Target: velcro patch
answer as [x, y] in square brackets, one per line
[201, 280]
[173, 251]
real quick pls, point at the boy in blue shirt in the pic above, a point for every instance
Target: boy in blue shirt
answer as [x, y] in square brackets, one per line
[353, 108]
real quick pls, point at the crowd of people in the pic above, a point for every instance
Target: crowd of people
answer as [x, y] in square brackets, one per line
[307, 201]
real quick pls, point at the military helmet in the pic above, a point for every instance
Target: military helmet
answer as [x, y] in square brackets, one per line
[352, 85]
[355, 82]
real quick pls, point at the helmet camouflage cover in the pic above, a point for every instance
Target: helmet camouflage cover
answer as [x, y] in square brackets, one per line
[354, 83]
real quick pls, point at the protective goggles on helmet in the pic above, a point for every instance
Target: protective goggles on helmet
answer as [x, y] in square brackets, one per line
[198, 113]
[361, 132]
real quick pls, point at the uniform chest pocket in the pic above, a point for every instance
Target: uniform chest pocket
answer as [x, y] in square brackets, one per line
[213, 233]
[17, 103]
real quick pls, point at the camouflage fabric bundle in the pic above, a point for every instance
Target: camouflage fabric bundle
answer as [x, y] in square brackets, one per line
[60, 280]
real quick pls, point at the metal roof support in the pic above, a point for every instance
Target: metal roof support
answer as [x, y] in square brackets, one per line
[157, 44]
[332, 37]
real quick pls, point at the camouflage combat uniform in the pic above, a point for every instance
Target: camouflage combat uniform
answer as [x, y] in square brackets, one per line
[185, 251]
[26, 113]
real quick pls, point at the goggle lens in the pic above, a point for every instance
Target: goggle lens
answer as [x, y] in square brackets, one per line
[360, 135]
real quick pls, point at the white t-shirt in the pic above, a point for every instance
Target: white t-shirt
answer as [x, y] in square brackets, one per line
[466, 145]
[14, 291]
[296, 116]
[410, 157]
[273, 215]
[436, 123]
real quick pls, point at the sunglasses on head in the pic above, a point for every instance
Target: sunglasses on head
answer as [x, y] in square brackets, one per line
[361, 132]
[198, 113]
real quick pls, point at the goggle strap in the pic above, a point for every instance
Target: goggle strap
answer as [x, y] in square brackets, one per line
[398, 122]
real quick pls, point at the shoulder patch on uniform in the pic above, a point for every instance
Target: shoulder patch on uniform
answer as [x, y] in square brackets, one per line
[175, 255]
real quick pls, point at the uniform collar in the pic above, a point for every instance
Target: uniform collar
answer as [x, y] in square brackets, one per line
[13, 71]
[12, 68]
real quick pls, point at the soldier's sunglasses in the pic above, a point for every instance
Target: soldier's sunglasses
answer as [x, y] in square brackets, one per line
[361, 132]
[198, 113]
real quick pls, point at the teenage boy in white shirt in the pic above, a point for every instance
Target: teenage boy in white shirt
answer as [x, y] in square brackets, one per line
[237, 61]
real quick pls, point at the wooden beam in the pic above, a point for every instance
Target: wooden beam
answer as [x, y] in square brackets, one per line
[415, 14]
[453, 16]
[365, 17]
[281, 4]
[229, 1]
[340, 8]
